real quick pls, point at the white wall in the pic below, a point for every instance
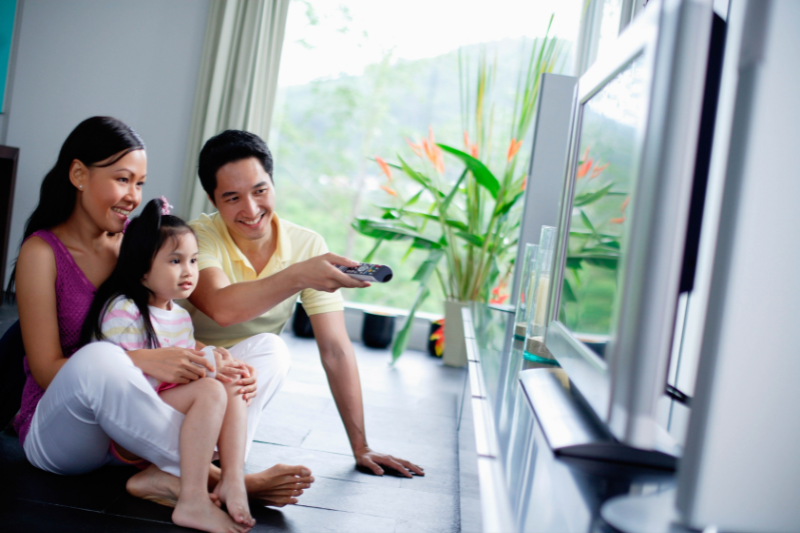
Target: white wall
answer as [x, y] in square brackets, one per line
[136, 60]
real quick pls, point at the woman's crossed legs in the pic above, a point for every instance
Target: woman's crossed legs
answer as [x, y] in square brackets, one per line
[99, 394]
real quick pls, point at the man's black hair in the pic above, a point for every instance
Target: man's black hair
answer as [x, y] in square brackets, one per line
[227, 147]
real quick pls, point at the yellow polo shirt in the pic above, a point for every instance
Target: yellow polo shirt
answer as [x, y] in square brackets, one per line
[217, 249]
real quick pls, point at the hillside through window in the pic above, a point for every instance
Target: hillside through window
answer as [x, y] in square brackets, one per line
[359, 78]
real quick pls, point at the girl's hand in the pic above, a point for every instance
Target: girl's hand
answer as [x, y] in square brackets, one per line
[248, 383]
[228, 368]
[172, 365]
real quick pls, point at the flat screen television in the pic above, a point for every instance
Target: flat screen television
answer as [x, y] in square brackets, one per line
[624, 217]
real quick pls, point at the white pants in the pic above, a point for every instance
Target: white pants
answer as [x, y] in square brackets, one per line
[99, 395]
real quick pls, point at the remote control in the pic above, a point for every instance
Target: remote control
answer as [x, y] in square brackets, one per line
[368, 272]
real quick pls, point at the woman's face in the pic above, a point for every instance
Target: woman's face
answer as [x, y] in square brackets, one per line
[109, 194]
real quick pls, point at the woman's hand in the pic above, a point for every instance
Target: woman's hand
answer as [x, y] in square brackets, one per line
[172, 365]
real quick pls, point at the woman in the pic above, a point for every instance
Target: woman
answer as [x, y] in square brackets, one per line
[74, 402]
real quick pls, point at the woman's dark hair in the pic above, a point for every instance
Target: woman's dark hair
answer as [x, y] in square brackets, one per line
[227, 147]
[92, 141]
[144, 237]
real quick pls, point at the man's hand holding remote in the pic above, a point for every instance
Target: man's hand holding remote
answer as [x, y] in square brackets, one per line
[321, 274]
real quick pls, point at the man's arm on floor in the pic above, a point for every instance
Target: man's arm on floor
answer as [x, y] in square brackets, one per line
[339, 361]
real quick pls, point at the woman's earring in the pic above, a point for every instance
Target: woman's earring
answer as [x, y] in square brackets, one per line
[80, 187]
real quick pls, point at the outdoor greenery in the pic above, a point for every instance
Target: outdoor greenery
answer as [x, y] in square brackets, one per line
[467, 228]
[326, 134]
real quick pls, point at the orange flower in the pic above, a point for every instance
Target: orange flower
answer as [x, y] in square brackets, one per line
[466, 140]
[625, 204]
[384, 167]
[524, 182]
[389, 190]
[473, 151]
[513, 148]
[439, 163]
[583, 169]
[598, 170]
[619, 220]
[499, 293]
[430, 136]
[426, 147]
[417, 149]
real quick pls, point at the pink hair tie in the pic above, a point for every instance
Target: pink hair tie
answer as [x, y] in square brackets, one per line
[165, 207]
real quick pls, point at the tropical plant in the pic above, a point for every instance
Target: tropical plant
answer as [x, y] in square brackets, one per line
[594, 240]
[471, 222]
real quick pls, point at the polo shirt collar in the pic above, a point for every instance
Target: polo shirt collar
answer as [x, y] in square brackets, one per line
[283, 250]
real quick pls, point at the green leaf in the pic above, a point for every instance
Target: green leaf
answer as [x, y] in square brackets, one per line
[567, 292]
[411, 201]
[452, 193]
[602, 262]
[590, 197]
[448, 221]
[401, 341]
[378, 243]
[502, 210]
[421, 179]
[391, 231]
[425, 244]
[475, 240]
[574, 263]
[588, 223]
[483, 175]
[602, 249]
[428, 266]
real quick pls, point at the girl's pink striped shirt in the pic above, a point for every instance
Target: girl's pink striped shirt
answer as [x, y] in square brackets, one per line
[123, 325]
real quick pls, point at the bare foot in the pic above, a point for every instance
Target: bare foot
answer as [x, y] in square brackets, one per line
[200, 513]
[155, 485]
[234, 496]
[279, 485]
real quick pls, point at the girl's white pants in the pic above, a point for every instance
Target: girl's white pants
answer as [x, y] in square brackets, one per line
[99, 395]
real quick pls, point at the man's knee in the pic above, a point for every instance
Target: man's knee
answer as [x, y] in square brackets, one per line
[268, 351]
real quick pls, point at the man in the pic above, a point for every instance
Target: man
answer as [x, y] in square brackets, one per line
[253, 265]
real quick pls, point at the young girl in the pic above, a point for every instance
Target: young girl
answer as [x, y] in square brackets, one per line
[134, 309]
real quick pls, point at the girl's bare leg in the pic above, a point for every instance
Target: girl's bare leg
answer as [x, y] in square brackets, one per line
[231, 489]
[204, 403]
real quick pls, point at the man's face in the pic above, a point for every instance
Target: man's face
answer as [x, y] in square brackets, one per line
[245, 198]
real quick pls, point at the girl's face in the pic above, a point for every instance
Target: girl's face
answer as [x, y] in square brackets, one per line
[109, 194]
[173, 274]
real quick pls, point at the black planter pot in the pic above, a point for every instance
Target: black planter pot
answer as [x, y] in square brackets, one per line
[378, 330]
[301, 324]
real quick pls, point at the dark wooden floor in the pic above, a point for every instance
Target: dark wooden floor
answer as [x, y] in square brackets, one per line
[410, 413]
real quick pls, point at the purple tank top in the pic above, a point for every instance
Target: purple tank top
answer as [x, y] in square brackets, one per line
[74, 295]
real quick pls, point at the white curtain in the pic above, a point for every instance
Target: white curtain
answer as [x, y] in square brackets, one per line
[237, 81]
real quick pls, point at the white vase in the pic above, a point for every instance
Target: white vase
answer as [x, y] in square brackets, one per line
[455, 348]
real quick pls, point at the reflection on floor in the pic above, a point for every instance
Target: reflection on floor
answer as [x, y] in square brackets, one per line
[410, 413]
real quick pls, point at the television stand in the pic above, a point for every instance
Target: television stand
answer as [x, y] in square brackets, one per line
[571, 430]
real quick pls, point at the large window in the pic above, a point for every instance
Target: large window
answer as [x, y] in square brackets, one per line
[359, 78]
